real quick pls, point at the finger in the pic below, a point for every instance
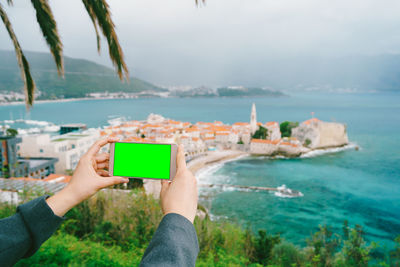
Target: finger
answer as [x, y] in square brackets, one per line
[180, 158]
[103, 165]
[109, 181]
[103, 173]
[99, 144]
[164, 187]
[102, 157]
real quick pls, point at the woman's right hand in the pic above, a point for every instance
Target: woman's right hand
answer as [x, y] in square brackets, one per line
[180, 195]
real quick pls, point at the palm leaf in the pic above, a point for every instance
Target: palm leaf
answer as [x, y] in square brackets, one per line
[93, 18]
[100, 15]
[29, 84]
[198, 2]
[48, 26]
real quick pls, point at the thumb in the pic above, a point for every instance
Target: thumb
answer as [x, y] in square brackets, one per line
[164, 187]
[180, 159]
[113, 180]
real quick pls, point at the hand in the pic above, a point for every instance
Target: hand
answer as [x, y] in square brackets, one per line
[180, 195]
[89, 177]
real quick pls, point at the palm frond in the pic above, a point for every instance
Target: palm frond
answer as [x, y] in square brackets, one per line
[48, 26]
[99, 12]
[198, 2]
[93, 18]
[29, 84]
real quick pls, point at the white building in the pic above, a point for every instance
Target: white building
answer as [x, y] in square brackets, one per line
[274, 131]
[68, 148]
[222, 137]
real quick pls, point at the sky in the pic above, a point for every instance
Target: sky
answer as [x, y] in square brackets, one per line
[222, 42]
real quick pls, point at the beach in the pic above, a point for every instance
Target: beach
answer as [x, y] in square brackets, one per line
[213, 157]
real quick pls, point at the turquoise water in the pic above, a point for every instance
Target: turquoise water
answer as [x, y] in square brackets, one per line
[360, 186]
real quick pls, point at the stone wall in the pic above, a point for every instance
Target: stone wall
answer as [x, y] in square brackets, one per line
[321, 134]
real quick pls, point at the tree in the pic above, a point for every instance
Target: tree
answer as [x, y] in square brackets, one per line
[263, 245]
[354, 251]
[11, 132]
[395, 254]
[286, 128]
[324, 244]
[261, 133]
[99, 13]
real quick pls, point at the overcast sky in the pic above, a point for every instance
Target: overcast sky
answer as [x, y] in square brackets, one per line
[172, 42]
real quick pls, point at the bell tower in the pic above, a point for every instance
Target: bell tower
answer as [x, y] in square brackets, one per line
[253, 119]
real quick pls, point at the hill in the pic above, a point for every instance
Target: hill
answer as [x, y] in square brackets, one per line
[244, 92]
[81, 77]
[236, 91]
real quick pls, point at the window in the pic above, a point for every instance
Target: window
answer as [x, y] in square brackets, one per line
[73, 146]
[41, 150]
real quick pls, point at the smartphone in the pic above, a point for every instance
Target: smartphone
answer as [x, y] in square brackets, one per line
[143, 160]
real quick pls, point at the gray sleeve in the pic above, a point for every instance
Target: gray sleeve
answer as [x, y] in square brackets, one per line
[23, 233]
[173, 244]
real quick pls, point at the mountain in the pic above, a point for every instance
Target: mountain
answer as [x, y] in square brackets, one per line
[81, 77]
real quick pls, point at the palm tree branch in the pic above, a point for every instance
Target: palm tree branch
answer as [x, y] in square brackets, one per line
[198, 2]
[48, 26]
[99, 12]
[93, 19]
[29, 84]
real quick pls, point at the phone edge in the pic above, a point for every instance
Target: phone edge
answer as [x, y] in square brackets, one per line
[111, 160]
[173, 167]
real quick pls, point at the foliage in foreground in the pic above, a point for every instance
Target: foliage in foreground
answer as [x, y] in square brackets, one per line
[115, 227]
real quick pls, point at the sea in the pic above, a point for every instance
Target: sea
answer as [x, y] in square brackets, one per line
[360, 185]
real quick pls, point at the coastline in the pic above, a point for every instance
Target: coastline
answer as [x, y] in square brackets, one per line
[15, 103]
[213, 157]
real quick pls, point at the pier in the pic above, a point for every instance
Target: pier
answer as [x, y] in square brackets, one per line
[282, 191]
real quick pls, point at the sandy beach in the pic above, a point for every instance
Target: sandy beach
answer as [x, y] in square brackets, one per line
[212, 157]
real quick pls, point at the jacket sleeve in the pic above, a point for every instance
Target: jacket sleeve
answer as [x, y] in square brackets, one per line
[173, 244]
[23, 233]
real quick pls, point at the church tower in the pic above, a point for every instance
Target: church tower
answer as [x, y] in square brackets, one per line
[253, 119]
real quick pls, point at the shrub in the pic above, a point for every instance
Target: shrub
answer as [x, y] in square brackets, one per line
[287, 255]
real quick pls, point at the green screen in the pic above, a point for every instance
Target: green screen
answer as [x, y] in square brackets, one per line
[142, 160]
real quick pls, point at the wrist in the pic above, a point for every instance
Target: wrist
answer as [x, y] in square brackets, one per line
[63, 201]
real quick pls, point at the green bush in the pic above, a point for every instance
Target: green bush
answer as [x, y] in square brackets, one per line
[286, 128]
[261, 133]
[67, 250]
[287, 255]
